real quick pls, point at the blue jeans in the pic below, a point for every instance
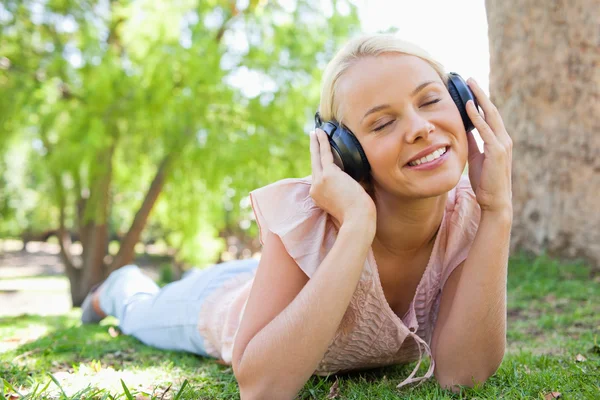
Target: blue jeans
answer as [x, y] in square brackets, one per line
[166, 318]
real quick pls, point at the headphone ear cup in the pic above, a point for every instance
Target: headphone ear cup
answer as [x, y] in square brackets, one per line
[365, 166]
[461, 107]
[351, 153]
[461, 93]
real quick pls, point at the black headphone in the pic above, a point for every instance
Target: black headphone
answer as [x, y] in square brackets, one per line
[348, 153]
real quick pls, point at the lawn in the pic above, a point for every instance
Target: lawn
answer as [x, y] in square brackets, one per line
[553, 350]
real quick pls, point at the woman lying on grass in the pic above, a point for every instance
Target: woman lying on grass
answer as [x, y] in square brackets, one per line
[394, 257]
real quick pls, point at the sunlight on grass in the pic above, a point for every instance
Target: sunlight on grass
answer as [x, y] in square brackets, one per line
[20, 336]
[96, 375]
[36, 284]
[553, 334]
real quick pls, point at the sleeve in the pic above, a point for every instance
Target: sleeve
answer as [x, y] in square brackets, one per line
[286, 209]
[464, 213]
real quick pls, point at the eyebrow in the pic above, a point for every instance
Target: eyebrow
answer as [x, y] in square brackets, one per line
[384, 106]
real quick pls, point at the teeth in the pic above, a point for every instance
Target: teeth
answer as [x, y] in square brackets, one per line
[428, 158]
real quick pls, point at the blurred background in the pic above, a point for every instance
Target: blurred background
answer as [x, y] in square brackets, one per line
[133, 131]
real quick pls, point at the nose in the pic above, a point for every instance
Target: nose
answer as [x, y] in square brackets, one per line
[417, 127]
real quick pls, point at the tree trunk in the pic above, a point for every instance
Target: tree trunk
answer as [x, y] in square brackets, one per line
[73, 273]
[544, 79]
[92, 216]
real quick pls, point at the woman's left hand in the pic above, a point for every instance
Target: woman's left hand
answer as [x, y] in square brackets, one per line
[490, 171]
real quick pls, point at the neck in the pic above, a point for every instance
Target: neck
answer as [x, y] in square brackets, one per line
[407, 226]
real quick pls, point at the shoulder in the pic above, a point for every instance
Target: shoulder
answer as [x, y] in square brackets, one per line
[280, 205]
[295, 190]
[286, 209]
[287, 182]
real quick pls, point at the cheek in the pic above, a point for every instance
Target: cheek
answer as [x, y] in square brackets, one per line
[450, 121]
[382, 152]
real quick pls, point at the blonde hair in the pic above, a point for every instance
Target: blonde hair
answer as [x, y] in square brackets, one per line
[371, 45]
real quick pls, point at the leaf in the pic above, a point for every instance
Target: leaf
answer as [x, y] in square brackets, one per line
[148, 108]
[96, 366]
[127, 392]
[334, 391]
[180, 390]
[552, 395]
[580, 358]
[9, 396]
[57, 384]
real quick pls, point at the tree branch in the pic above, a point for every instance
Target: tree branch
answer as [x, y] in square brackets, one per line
[234, 12]
[64, 88]
[126, 251]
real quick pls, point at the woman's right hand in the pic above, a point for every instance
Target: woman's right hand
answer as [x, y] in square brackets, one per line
[332, 189]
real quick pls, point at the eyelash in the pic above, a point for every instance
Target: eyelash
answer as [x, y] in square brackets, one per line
[388, 123]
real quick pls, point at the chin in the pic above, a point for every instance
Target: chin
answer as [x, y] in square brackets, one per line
[437, 185]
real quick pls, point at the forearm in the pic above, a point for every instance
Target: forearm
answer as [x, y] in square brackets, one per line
[472, 342]
[285, 353]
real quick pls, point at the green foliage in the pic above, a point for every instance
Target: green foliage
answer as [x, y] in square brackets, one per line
[225, 93]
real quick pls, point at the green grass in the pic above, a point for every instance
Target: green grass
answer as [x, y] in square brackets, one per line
[554, 314]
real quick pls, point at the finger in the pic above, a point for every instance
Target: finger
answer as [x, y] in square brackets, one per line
[315, 156]
[473, 148]
[483, 128]
[324, 148]
[492, 116]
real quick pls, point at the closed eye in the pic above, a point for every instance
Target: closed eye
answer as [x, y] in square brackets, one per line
[382, 126]
[431, 102]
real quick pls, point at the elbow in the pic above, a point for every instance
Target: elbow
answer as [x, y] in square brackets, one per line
[454, 381]
[470, 376]
[256, 387]
[249, 393]
[251, 384]
[261, 391]
[248, 388]
[258, 382]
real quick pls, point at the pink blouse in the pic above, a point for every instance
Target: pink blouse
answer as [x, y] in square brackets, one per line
[370, 333]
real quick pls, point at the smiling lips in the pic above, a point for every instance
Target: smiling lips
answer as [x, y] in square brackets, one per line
[429, 157]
